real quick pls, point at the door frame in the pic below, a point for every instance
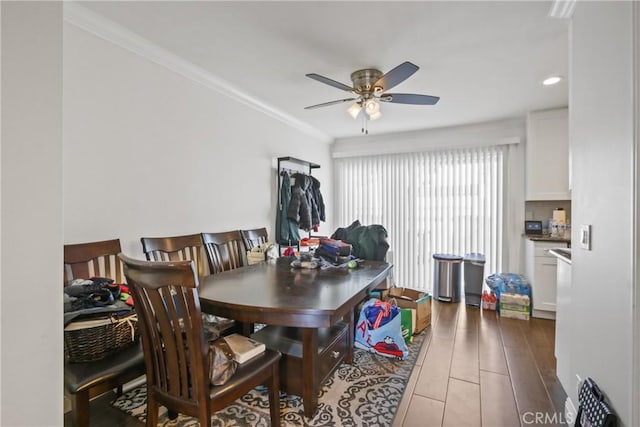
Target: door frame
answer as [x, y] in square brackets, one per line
[635, 403]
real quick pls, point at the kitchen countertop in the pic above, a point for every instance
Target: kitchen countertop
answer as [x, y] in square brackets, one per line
[546, 238]
[563, 254]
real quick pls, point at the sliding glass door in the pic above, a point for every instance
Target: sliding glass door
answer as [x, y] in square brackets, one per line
[430, 202]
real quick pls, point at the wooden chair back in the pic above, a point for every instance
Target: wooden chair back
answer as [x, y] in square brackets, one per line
[93, 259]
[170, 322]
[255, 237]
[225, 251]
[84, 381]
[176, 248]
[176, 355]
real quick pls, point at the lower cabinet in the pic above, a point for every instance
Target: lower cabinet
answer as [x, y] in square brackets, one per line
[333, 345]
[541, 270]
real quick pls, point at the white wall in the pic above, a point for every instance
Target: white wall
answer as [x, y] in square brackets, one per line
[511, 131]
[148, 152]
[602, 142]
[31, 177]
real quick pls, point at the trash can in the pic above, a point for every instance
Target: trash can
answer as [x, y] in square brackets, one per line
[446, 278]
[473, 278]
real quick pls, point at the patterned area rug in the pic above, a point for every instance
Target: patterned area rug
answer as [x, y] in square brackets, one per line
[366, 393]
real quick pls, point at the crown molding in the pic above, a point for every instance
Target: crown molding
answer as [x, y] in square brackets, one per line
[499, 132]
[106, 29]
[562, 9]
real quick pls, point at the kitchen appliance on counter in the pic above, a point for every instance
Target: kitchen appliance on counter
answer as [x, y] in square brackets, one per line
[559, 216]
[558, 224]
[533, 228]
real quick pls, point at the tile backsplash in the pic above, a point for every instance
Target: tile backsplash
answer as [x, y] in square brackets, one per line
[543, 210]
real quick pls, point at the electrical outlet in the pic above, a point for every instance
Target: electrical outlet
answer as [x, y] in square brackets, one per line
[578, 384]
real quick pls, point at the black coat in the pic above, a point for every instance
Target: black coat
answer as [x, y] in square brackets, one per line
[318, 200]
[301, 206]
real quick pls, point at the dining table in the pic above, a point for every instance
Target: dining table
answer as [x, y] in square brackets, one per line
[308, 313]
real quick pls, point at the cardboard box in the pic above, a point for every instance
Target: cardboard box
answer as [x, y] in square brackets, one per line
[408, 321]
[417, 300]
[514, 314]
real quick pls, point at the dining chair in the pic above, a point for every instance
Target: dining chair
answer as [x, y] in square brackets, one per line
[84, 381]
[225, 250]
[176, 248]
[185, 248]
[255, 237]
[166, 295]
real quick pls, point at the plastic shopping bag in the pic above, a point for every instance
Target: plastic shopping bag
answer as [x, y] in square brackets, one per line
[379, 330]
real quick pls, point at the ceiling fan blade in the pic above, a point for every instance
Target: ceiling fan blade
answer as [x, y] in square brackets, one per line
[396, 76]
[326, 104]
[409, 98]
[330, 82]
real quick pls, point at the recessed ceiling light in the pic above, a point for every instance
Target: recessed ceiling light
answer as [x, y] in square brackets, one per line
[551, 80]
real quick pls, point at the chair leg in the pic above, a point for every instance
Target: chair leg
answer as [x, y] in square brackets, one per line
[274, 396]
[152, 411]
[204, 417]
[80, 409]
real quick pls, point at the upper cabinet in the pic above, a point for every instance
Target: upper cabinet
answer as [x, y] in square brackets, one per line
[547, 155]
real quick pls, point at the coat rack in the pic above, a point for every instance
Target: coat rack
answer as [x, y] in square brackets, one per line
[292, 165]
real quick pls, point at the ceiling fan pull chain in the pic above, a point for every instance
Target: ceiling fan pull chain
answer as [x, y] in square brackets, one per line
[364, 123]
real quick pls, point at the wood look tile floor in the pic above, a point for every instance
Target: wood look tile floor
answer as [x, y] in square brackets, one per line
[474, 369]
[477, 369]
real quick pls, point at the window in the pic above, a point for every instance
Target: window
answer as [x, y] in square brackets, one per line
[430, 202]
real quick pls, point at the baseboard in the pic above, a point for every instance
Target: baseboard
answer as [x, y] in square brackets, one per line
[544, 314]
[570, 411]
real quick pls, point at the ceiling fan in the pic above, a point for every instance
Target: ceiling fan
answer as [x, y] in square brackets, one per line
[369, 88]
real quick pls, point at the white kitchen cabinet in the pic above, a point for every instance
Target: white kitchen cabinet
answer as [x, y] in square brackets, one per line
[547, 155]
[541, 270]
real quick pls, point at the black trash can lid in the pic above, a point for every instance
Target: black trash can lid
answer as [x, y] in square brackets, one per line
[474, 257]
[447, 257]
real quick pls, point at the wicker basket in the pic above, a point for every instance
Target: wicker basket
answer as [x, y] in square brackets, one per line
[94, 339]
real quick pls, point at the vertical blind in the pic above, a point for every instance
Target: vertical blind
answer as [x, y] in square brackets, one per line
[431, 202]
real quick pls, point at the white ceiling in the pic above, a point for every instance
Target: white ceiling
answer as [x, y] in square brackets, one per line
[485, 60]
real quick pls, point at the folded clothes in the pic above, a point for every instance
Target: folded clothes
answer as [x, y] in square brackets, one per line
[332, 242]
[336, 246]
[322, 252]
[309, 241]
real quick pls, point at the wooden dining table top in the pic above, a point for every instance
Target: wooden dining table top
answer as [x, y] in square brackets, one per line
[274, 292]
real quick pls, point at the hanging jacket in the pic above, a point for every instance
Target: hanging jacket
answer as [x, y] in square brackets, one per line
[317, 197]
[286, 230]
[301, 204]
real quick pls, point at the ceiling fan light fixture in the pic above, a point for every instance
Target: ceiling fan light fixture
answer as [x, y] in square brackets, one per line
[354, 110]
[375, 116]
[372, 106]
